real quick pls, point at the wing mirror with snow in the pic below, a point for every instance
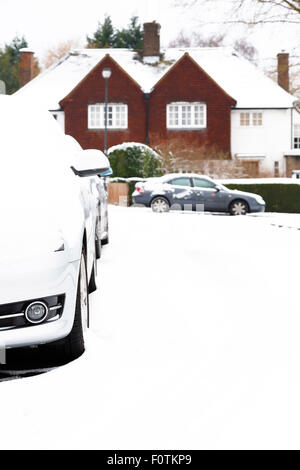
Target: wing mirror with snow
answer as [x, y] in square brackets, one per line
[91, 162]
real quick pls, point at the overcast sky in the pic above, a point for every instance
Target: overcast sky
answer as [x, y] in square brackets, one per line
[45, 23]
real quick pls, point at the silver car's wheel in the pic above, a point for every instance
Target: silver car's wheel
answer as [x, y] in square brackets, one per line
[239, 208]
[160, 204]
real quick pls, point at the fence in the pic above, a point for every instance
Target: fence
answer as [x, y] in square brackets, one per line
[118, 193]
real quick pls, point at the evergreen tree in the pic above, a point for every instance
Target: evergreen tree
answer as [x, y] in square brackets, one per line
[9, 64]
[127, 38]
[103, 36]
[13, 49]
[130, 38]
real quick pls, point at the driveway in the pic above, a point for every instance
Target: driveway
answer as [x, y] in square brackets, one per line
[194, 343]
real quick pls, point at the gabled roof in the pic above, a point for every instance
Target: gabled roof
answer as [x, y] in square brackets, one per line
[81, 83]
[236, 76]
[177, 64]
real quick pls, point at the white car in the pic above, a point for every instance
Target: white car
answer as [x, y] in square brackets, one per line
[53, 219]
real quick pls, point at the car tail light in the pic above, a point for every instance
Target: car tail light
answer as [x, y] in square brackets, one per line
[139, 189]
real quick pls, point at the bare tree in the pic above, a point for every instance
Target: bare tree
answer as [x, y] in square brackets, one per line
[245, 49]
[196, 39]
[182, 40]
[57, 52]
[252, 12]
[268, 11]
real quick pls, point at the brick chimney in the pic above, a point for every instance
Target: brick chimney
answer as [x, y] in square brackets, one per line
[26, 66]
[283, 70]
[151, 40]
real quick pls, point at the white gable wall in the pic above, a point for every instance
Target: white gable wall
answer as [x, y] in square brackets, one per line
[296, 117]
[271, 140]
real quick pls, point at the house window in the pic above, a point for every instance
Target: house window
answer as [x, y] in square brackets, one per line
[297, 136]
[257, 119]
[251, 119]
[186, 116]
[117, 116]
[245, 119]
[276, 169]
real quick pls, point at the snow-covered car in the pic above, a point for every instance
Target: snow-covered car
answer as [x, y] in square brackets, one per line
[53, 219]
[194, 192]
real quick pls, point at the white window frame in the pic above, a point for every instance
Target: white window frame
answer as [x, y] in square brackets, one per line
[96, 116]
[296, 136]
[183, 113]
[251, 119]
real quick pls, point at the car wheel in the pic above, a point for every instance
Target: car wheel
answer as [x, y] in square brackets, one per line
[160, 204]
[238, 208]
[73, 346]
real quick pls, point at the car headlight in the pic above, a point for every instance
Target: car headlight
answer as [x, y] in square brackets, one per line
[36, 312]
[259, 199]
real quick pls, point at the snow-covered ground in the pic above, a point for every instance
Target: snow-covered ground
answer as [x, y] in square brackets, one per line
[194, 342]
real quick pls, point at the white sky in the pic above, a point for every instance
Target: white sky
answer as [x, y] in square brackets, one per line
[45, 23]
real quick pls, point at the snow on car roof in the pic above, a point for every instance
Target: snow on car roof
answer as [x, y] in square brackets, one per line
[31, 140]
[183, 175]
[240, 79]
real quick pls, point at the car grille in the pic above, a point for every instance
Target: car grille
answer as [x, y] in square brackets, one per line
[13, 315]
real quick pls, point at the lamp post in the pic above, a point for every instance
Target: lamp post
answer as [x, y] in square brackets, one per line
[106, 73]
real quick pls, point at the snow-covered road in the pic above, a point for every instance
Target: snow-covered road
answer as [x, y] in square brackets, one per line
[194, 343]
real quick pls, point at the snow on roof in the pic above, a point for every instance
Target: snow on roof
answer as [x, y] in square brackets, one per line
[242, 80]
[239, 78]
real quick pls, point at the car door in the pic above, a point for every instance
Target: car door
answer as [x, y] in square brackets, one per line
[205, 192]
[181, 192]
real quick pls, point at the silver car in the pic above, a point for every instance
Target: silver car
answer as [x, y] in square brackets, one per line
[194, 192]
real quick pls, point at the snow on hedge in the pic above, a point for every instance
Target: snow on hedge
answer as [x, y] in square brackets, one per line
[127, 145]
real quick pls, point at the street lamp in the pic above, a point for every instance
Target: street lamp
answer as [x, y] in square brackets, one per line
[106, 73]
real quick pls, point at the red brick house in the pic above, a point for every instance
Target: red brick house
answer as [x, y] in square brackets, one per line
[123, 90]
[199, 96]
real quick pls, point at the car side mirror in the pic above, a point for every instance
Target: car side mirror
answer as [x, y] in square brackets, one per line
[91, 162]
[218, 187]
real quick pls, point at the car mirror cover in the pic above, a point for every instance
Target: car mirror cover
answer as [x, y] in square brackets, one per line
[92, 172]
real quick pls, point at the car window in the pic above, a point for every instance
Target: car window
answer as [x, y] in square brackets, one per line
[203, 183]
[181, 182]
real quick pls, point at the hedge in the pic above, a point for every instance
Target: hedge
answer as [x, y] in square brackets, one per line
[134, 160]
[278, 197]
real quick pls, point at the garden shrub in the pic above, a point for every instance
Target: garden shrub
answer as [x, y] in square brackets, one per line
[134, 160]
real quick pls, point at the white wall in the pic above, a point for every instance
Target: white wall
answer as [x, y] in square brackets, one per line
[272, 139]
[60, 117]
[296, 117]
